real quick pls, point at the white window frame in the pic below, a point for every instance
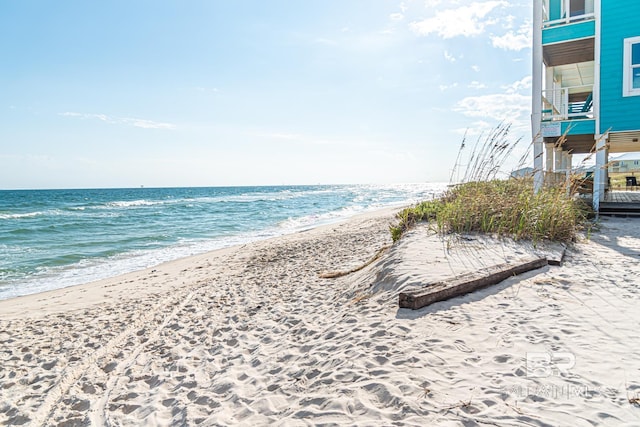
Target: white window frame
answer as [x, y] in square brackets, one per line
[627, 75]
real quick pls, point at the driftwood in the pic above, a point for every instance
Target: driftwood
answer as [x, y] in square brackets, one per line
[334, 274]
[464, 284]
[556, 256]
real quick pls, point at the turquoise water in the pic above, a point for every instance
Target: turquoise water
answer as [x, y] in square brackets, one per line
[50, 239]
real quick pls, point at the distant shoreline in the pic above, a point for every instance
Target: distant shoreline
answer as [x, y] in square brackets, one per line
[214, 186]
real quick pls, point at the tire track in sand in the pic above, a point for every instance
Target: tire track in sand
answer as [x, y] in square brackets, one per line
[71, 376]
[99, 415]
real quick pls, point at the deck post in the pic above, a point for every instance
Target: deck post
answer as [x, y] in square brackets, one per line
[566, 161]
[600, 173]
[557, 167]
[549, 156]
[566, 166]
[536, 98]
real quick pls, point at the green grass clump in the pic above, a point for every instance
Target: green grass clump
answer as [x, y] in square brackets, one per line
[503, 207]
[425, 211]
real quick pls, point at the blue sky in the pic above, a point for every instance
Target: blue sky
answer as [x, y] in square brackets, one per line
[206, 93]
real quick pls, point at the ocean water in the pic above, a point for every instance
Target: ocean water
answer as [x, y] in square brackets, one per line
[51, 239]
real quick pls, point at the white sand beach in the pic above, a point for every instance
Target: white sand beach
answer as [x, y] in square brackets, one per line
[252, 335]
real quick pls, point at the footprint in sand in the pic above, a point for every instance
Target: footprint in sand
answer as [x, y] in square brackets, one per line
[462, 346]
[503, 358]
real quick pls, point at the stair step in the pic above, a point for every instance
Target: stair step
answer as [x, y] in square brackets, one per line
[617, 212]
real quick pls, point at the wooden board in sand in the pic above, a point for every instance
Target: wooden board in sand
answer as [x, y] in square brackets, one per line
[466, 283]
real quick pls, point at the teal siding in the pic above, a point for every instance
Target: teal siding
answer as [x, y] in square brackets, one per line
[579, 30]
[619, 21]
[555, 10]
[579, 127]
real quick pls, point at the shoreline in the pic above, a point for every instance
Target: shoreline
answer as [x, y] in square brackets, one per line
[15, 305]
[253, 335]
[73, 238]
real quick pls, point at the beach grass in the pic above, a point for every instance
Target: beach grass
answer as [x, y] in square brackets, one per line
[503, 207]
[484, 202]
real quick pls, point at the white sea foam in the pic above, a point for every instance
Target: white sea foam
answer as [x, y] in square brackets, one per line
[90, 270]
[348, 201]
[132, 203]
[50, 212]
[20, 215]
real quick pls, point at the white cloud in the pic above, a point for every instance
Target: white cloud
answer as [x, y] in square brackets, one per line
[403, 7]
[475, 68]
[520, 85]
[146, 124]
[447, 87]
[467, 21]
[396, 17]
[507, 22]
[499, 106]
[205, 89]
[130, 121]
[512, 106]
[476, 85]
[449, 57]
[432, 3]
[514, 40]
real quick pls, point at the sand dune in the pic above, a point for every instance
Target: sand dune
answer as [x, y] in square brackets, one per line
[253, 335]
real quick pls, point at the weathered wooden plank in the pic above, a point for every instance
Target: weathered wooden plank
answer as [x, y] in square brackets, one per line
[464, 284]
[555, 255]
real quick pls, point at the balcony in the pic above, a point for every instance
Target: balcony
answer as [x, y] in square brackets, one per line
[568, 31]
[567, 103]
[563, 12]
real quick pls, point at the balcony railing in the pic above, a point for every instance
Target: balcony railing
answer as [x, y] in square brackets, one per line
[556, 103]
[567, 14]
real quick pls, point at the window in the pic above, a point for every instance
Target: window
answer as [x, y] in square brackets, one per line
[580, 7]
[635, 65]
[577, 7]
[631, 72]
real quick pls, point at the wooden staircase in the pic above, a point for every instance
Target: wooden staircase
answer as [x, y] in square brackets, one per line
[621, 203]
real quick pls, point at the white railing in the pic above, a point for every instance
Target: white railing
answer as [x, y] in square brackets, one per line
[556, 105]
[569, 20]
[569, 15]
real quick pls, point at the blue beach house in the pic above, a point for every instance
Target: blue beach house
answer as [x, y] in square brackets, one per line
[586, 84]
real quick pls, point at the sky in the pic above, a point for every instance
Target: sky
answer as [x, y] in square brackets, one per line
[253, 92]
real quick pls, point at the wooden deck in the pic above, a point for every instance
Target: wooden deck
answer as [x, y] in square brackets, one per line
[621, 203]
[622, 197]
